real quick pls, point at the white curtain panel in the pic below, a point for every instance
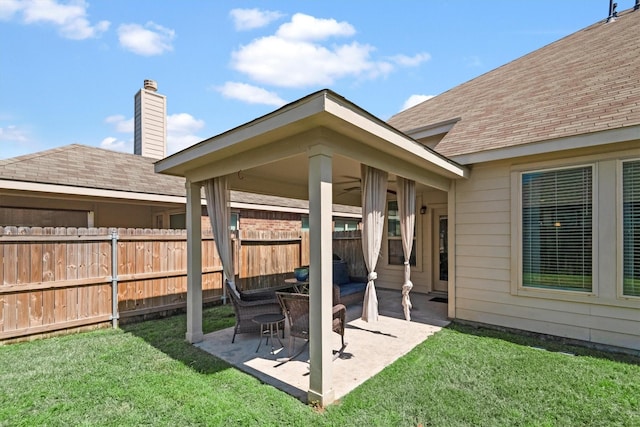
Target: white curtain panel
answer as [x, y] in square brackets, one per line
[407, 211]
[374, 201]
[217, 194]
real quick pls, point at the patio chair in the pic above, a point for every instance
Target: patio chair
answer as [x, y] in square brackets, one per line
[246, 311]
[296, 309]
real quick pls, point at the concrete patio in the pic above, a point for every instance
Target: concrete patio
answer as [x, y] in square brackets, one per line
[370, 346]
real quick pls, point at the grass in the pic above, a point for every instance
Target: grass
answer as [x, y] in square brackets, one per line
[145, 374]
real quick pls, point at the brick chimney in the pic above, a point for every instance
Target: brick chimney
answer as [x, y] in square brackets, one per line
[150, 122]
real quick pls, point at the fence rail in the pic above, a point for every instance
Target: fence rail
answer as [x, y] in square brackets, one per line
[54, 279]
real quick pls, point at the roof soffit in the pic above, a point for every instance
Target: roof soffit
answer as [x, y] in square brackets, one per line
[322, 118]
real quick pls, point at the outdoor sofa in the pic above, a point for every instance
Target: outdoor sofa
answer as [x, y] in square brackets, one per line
[350, 289]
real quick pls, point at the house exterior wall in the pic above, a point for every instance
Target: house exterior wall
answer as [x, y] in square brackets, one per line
[21, 209]
[104, 214]
[487, 251]
[269, 221]
[392, 276]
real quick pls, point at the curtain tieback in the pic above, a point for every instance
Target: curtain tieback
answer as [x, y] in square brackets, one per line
[372, 276]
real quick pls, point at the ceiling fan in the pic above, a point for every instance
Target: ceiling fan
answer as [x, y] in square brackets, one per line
[354, 180]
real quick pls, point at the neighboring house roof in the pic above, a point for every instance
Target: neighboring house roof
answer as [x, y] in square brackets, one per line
[586, 82]
[92, 168]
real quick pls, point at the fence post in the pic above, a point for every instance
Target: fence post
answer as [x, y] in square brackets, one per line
[114, 278]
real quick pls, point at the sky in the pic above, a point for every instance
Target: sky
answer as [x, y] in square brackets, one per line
[69, 69]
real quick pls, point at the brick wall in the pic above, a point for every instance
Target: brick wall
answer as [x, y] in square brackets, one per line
[273, 221]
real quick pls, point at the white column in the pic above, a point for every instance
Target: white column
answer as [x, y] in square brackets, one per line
[320, 276]
[194, 263]
[451, 259]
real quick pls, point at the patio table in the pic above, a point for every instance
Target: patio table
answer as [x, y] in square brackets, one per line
[301, 287]
[269, 322]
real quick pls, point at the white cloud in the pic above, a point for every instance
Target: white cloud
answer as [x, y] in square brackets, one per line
[115, 144]
[181, 131]
[150, 40]
[298, 55]
[120, 123]
[411, 61]
[70, 18]
[13, 133]
[415, 100]
[8, 8]
[305, 27]
[289, 63]
[248, 19]
[250, 94]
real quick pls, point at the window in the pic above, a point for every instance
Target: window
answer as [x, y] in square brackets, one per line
[305, 222]
[178, 221]
[235, 221]
[394, 237]
[557, 229]
[631, 228]
[341, 224]
[32, 217]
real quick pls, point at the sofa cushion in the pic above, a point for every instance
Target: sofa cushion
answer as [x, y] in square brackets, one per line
[340, 273]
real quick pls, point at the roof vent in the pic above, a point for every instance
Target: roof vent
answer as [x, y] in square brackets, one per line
[151, 85]
[613, 13]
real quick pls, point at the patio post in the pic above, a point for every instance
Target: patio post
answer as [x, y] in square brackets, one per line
[320, 276]
[194, 263]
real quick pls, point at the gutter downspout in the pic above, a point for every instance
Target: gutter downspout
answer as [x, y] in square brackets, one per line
[114, 278]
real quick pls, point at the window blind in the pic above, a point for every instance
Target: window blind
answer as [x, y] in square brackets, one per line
[631, 227]
[557, 229]
[394, 237]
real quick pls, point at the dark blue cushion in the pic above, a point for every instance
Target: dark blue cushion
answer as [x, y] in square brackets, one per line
[352, 288]
[340, 272]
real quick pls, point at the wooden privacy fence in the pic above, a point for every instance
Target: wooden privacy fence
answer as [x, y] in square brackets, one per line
[266, 258]
[348, 246]
[55, 279]
[63, 278]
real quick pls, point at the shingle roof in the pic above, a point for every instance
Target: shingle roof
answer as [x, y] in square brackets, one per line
[586, 82]
[90, 167]
[96, 168]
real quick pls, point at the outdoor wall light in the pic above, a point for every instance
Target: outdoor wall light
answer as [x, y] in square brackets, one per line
[423, 210]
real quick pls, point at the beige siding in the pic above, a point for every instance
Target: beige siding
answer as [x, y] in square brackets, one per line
[150, 126]
[486, 267]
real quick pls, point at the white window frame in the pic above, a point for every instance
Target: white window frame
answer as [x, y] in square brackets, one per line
[620, 232]
[351, 224]
[418, 240]
[517, 286]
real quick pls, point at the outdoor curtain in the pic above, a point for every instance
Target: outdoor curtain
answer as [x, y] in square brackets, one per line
[374, 200]
[407, 211]
[217, 195]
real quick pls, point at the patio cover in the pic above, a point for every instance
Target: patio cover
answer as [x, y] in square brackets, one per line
[303, 150]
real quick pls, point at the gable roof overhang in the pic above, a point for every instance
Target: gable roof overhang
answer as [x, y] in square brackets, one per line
[587, 140]
[269, 155]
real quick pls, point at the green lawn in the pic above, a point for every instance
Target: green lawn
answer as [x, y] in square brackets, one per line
[145, 374]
